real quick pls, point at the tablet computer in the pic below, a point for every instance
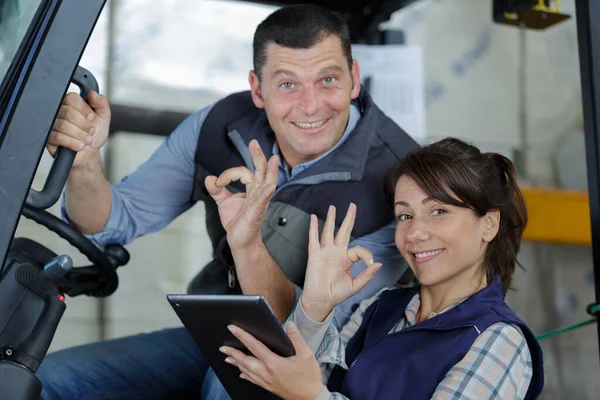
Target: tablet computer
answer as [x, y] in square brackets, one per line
[206, 318]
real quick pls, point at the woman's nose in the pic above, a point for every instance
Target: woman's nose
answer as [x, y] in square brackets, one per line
[417, 231]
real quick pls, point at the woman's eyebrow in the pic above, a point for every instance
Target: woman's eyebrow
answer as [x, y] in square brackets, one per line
[405, 204]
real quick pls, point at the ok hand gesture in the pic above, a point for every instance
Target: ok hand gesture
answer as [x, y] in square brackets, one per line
[242, 214]
[328, 279]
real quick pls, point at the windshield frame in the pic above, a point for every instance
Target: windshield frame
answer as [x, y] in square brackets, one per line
[10, 78]
[32, 100]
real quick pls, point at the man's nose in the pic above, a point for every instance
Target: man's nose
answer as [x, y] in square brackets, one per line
[309, 102]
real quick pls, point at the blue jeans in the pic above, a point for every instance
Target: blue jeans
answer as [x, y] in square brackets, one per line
[212, 389]
[159, 365]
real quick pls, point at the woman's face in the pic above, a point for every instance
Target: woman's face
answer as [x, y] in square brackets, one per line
[440, 242]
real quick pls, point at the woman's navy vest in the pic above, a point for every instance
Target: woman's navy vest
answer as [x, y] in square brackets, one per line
[410, 363]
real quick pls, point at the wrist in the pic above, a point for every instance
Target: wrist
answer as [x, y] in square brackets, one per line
[314, 392]
[248, 256]
[249, 249]
[320, 387]
[91, 165]
[315, 310]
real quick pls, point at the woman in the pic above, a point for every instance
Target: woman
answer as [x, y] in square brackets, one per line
[460, 216]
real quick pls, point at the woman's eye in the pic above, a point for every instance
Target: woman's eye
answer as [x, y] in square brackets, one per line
[439, 211]
[403, 217]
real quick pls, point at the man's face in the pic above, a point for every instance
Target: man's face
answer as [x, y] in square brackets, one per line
[306, 94]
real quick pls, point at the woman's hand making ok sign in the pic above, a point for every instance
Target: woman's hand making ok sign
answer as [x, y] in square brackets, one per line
[328, 279]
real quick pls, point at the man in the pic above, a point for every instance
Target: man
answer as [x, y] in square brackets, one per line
[327, 144]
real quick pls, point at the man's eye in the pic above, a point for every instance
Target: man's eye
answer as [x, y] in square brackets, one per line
[329, 80]
[287, 85]
[403, 217]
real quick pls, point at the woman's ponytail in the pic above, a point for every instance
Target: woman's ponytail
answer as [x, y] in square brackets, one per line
[501, 255]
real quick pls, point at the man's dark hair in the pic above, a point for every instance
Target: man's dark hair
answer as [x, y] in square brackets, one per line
[299, 27]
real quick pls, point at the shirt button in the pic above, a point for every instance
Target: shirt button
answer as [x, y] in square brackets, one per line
[282, 221]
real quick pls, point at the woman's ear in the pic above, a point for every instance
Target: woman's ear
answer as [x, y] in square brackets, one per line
[491, 224]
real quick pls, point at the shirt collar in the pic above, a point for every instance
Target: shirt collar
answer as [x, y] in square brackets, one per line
[412, 310]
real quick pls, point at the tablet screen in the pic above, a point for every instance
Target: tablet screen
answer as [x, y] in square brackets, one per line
[206, 318]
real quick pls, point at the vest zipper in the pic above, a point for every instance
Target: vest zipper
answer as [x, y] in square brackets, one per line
[397, 333]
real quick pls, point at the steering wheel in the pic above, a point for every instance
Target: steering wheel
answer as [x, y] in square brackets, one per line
[99, 279]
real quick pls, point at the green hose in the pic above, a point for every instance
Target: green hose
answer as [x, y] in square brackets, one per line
[592, 310]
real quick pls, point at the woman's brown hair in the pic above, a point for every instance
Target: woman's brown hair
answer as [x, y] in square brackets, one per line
[454, 172]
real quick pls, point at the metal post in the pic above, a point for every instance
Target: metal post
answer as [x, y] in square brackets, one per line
[108, 154]
[588, 33]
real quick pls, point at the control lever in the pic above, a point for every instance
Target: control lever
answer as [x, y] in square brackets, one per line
[57, 268]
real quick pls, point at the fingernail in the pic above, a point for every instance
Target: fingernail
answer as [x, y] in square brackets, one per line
[88, 139]
[90, 116]
[292, 327]
[92, 131]
[223, 350]
[242, 376]
[230, 361]
[80, 146]
[232, 328]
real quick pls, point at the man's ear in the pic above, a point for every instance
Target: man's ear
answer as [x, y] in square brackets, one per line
[255, 89]
[491, 225]
[355, 79]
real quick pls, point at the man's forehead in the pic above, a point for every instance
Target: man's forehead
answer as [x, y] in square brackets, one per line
[288, 61]
[330, 46]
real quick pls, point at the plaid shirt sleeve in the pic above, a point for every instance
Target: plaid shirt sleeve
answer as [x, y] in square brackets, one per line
[498, 365]
[327, 342]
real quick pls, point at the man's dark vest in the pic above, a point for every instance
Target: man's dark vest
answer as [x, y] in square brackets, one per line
[409, 364]
[354, 172]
